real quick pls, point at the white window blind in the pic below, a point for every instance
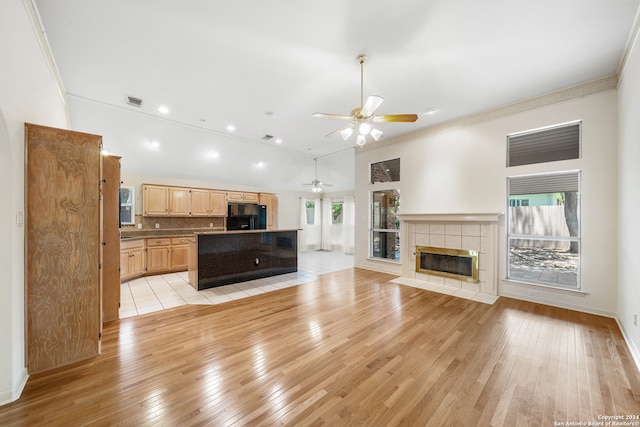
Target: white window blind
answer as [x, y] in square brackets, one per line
[548, 145]
[546, 183]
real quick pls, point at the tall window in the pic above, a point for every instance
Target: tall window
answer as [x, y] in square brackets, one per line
[310, 209]
[385, 224]
[336, 212]
[544, 233]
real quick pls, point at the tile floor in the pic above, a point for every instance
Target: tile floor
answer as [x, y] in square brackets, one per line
[449, 290]
[154, 293]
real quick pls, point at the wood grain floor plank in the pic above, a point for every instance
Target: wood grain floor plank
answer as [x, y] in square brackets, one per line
[352, 348]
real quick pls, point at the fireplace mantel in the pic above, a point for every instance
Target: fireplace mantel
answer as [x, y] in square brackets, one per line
[452, 217]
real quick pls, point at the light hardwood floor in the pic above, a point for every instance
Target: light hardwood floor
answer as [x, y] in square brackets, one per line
[351, 348]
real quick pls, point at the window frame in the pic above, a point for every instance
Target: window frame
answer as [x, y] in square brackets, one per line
[394, 231]
[509, 237]
[556, 149]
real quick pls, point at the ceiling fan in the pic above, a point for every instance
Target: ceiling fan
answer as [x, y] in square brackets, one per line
[316, 185]
[362, 117]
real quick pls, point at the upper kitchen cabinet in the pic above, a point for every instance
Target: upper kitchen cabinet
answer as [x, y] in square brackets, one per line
[163, 200]
[217, 203]
[200, 202]
[62, 246]
[208, 202]
[239, 196]
[155, 200]
[179, 201]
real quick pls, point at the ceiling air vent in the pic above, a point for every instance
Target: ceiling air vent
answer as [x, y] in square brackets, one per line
[266, 137]
[136, 102]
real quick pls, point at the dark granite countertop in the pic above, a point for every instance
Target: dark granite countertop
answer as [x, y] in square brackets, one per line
[133, 234]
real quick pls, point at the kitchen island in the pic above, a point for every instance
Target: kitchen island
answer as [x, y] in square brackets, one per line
[221, 258]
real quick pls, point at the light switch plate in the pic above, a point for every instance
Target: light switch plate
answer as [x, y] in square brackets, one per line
[19, 219]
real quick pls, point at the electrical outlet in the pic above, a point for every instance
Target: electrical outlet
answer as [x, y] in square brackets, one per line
[157, 225]
[210, 225]
[635, 319]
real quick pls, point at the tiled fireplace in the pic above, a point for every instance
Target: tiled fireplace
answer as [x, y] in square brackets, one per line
[447, 242]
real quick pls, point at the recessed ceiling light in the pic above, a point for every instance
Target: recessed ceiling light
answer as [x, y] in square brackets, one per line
[163, 109]
[231, 128]
[213, 154]
[261, 164]
[430, 111]
[154, 144]
[278, 140]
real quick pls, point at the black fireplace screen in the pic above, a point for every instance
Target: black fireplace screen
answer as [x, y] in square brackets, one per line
[447, 264]
[452, 263]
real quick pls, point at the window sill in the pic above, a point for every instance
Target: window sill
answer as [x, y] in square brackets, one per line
[390, 261]
[546, 287]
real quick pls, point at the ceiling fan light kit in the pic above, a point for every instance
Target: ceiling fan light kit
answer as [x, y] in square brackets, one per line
[316, 184]
[361, 118]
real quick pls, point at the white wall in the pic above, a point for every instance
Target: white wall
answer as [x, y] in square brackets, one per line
[629, 198]
[460, 168]
[28, 93]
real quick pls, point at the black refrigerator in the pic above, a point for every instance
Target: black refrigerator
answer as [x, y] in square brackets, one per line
[245, 216]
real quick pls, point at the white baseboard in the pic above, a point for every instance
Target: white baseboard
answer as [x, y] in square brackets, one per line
[632, 346]
[12, 395]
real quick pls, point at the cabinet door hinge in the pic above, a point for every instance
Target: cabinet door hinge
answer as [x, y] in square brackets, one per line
[99, 335]
[99, 266]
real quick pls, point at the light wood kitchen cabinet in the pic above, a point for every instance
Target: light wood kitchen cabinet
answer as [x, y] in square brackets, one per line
[200, 202]
[110, 238]
[239, 196]
[179, 253]
[63, 235]
[217, 203]
[271, 202]
[162, 200]
[179, 201]
[158, 255]
[155, 200]
[131, 259]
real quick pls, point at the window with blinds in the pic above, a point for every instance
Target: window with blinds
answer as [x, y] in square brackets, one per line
[561, 142]
[543, 229]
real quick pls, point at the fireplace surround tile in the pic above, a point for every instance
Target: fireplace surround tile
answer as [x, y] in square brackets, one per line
[453, 229]
[478, 232]
[471, 230]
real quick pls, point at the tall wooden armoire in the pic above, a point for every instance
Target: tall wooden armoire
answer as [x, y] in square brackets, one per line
[110, 238]
[62, 246]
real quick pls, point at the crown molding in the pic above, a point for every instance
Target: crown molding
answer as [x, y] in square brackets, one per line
[574, 92]
[41, 36]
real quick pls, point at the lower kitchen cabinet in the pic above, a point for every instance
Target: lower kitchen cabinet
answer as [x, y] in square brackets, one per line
[131, 259]
[158, 256]
[146, 257]
[179, 253]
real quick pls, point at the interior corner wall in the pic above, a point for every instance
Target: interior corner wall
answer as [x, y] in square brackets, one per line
[460, 167]
[28, 93]
[629, 199]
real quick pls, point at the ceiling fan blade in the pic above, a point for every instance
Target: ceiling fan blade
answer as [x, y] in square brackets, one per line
[332, 116]
[371, 105]
[396, 118]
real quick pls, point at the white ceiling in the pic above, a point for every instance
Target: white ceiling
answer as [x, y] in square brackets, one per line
[267, 66]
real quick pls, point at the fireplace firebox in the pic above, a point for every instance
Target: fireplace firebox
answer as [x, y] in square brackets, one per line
[452, 263]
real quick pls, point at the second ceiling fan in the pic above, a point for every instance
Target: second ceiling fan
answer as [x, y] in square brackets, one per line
[361, 118]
